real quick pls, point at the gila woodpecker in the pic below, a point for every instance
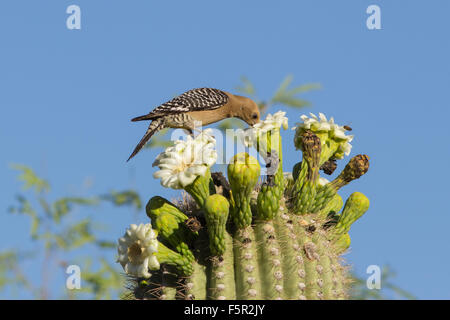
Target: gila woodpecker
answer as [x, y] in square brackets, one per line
[196, 107]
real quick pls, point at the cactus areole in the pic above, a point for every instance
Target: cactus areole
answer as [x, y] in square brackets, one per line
[278, 236]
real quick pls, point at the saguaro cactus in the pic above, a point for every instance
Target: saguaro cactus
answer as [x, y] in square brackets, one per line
[278, 238]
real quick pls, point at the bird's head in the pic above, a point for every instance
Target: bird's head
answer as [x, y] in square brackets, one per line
[247, 110]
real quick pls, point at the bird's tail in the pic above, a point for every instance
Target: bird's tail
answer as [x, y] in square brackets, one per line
[144, 117]
[155, 126]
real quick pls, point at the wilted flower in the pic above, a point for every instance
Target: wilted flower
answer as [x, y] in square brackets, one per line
[182, 163]
[137, 250]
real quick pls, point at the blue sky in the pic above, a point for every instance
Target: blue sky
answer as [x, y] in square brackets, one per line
[67, 97]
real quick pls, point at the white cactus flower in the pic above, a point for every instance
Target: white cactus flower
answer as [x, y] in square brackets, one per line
[136, 250]
[278, 120]
[275, 122]
[326, 129]
[182, 163]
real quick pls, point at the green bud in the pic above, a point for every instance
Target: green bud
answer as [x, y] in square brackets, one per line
[334, 205]
[158, 205]
[323, 197]
[355, 206]
[216, 214]
[299, 181]
[342, 243]
[267, 203]
[243, 171]
[169, 222]
[243, 174]
[181, 263]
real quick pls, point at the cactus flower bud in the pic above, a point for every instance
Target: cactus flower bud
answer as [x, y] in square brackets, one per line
[355, 206]
[243, 173]
[181, 263]
[216, 213]
[169, 222]
[342, 243]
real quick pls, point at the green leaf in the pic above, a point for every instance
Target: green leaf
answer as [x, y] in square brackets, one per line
[30, 179]
[106, 244]
[291, 101]
[26, 208]
[246, 88]
[10, 272]
[75, 235]
[63, 206]
[304, 88]
[124, 198]
[288, 97]
[284, 85]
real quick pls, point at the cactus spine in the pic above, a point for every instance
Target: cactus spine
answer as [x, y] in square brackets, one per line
[277, 239]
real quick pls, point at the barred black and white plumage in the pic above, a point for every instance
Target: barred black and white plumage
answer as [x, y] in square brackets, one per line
[193, 100]
[155, 126]
[197, 106]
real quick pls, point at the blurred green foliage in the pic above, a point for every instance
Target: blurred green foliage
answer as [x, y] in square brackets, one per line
[57, 230]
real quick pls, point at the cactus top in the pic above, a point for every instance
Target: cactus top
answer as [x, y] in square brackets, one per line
[182, 163]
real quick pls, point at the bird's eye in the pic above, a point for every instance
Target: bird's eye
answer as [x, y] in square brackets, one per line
[254, 116]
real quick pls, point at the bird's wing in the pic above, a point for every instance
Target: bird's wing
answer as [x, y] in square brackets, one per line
[192, 100]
